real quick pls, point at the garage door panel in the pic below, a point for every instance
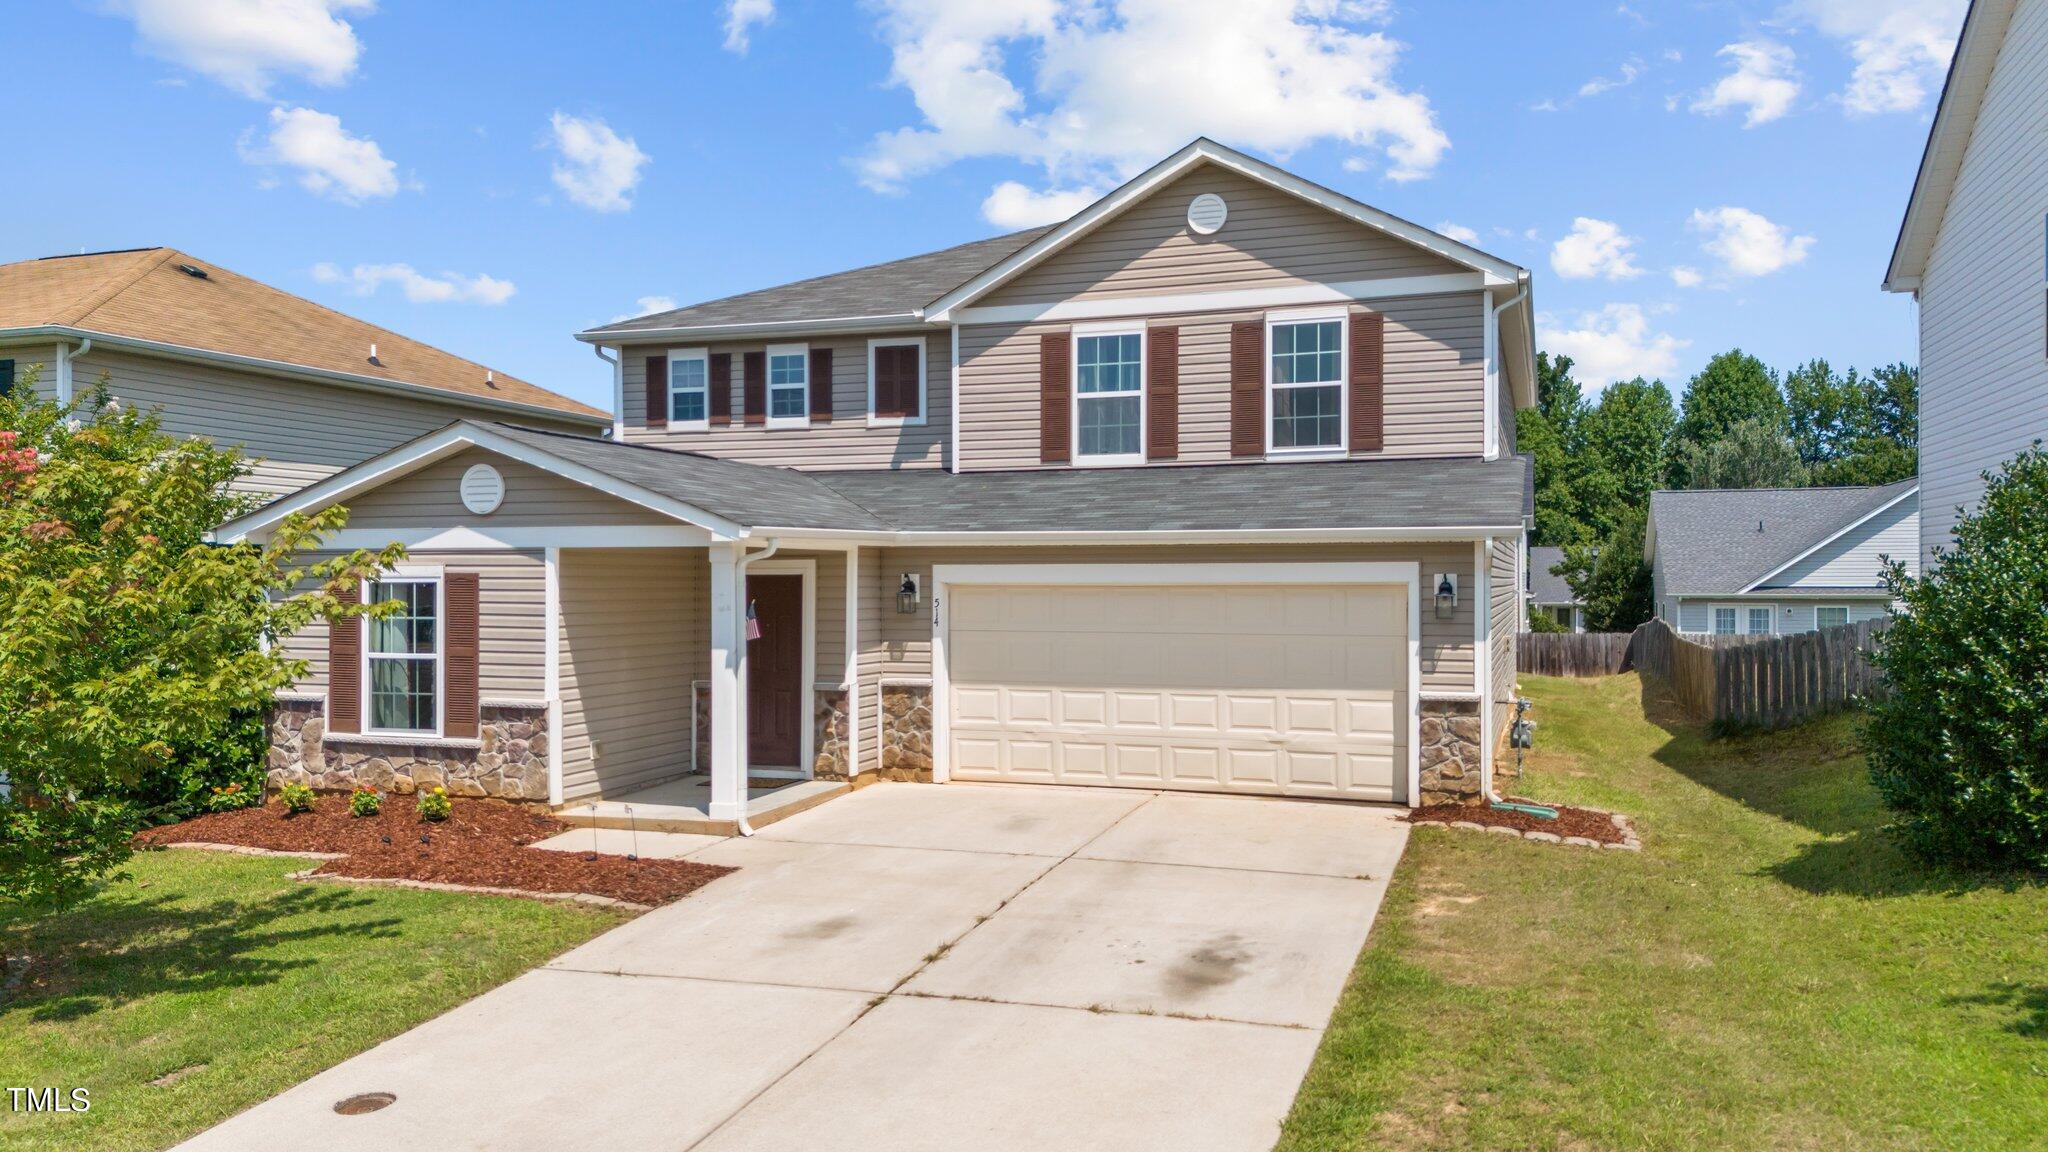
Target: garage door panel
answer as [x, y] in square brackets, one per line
[1140, 710]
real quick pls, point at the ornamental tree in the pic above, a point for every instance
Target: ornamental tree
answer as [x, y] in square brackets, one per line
[125, 635]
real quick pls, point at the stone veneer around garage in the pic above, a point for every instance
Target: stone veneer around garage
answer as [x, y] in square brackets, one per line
[1451, 755]
[509, 760]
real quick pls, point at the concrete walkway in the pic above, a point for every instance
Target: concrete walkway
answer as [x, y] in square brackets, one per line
[910, 967]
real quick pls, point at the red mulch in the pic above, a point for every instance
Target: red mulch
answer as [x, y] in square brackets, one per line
[483, 844]
[1570, 821]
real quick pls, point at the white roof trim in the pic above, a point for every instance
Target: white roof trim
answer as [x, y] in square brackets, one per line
[1866, 518]
[1205, 151]
[756, 329]
[408, 458]
[1955, 119]
[1455, 533]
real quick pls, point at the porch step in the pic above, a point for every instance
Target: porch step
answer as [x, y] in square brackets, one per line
[653, 811]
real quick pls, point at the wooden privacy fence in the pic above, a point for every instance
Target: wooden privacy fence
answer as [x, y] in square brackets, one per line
[1762, 682]
[1572, 653]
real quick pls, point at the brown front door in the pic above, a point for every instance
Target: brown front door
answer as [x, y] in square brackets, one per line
[775, 669]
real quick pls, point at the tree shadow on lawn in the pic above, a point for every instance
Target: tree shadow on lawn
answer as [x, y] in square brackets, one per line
[117, 949]
[2029, 1001]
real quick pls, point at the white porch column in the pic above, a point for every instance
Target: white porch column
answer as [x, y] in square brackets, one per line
[728, 790]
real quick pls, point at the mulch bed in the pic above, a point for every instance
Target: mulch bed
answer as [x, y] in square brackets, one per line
[1581, 822]
[482, 844]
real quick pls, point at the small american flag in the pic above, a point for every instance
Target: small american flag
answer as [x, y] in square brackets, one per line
[753, 623]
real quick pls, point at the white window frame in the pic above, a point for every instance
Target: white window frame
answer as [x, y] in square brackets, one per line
[923, 396]
[1713, 629]
[1342, 314]
[677, 356]
[1847, 615]
[1110, 328]
[1742, 611]
[803, 354]
[407, 574]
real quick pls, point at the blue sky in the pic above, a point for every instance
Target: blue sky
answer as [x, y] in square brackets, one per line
[1681, 177]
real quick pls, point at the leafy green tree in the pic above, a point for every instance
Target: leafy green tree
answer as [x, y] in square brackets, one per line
[1854, 429]
[124, 634]
[1541, 621]
[1548, 434]
[1959, 742]
[1754, 454]
[1629, 433]
[1610, 577]
[1734, 388]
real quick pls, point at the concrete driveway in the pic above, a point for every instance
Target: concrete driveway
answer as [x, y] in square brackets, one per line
[911, 967]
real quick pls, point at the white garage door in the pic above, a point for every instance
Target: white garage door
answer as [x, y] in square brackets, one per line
[1289, 690]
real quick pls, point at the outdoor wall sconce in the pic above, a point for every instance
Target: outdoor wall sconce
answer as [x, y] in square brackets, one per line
[906, 595]
[1446, 595]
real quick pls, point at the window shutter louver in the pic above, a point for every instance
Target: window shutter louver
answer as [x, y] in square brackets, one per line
[896, 391]
[1368, 381]
[720, 407]
[1248, 388]
[1162, 393]
[754, 387]
[345, 668]
[821, 384]
[461, 711]
[1055, 399]
[657, 391]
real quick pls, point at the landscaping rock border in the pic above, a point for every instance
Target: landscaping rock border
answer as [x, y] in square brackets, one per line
[1629, 842]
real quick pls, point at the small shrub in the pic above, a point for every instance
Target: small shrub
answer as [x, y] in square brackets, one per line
[231, 797]
[297, 798]
[1959, 743]
[364, 802]
[434, 805]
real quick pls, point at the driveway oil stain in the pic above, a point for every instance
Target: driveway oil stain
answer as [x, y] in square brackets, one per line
[1218, 963]
[822, 929]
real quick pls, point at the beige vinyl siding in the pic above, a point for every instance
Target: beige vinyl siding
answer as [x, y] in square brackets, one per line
[633, 636]
[903, 643]
[39, 358]
[1435, 383]
[512, 652]
[845, 442]
[829, 656]
[1983, 348]
[877, 591]
[294, 432]
[1271, 239]
[432, 497]
[1504, 600]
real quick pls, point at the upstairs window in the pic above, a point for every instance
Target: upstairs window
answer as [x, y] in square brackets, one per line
[896, 381]
[789, 385]
[402, 661]
[1305, 380]
[1109, 385]
[689, 388]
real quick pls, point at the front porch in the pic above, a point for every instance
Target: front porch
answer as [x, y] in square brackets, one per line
[684, 805]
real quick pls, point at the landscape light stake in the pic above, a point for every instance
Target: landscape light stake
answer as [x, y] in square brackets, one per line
[592, 854]
[633, 829]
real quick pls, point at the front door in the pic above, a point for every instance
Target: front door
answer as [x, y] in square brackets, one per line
[775, 664]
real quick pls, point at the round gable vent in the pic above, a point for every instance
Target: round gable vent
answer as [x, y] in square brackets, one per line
[483, 489]
[1207, 212]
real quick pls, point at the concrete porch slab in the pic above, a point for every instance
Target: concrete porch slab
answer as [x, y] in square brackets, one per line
[1038, 820]
[1011, 1078]
[1268, 835]
[621, 842]
[684, 805]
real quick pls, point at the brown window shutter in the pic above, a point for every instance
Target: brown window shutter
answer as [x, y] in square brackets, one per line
[1368, 382]
[1248, 388]
[657, 391]
[345, 667]
[754, 387]
[821, 384]
[720, 407]
[461, 712]
[896, 392]
[1162, 393]
[1055, 399]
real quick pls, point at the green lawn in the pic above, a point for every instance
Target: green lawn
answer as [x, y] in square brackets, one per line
[1769, 973]
[224, 982]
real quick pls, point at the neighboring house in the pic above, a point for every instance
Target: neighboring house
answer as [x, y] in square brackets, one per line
[1210, 487]
[1973, 251]
[1778, 560]
[1548, 592]
[304, 390]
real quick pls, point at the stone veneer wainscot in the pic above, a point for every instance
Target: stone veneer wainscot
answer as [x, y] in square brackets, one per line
[509, 760]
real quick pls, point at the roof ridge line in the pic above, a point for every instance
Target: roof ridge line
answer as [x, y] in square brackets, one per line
[92, 302]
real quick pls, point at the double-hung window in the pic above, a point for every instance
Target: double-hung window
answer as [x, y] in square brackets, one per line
[789, 385]
[1305, 379]
[1109, 395]
[1830, 616]
[1759, 622]
[689, 388]
[1724, 621]
[402, 660]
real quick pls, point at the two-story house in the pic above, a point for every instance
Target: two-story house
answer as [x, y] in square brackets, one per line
[1973, 251]
[304, 390]
[1209, 487]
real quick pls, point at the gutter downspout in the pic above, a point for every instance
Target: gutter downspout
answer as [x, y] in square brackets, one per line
[618, 364]
[1499, 371]
[774, 545]
[64, 357]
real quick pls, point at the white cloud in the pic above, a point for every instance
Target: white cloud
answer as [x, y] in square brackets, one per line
[646, 306]
[1594, 248]
[1092, 91]
[1764, 83]
[1686, 277]
[1012, 205]
[447, 288]
[248, 44]
[740, 18]
[330, 161]
[1614, 343]
[598, 168]
[1901, 47]
[1631, 71]
[1458, 232]
[1746, 243]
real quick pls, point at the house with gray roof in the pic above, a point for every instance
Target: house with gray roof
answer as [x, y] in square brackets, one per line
[1210, 487]
[1772, 561]
[1549, 594]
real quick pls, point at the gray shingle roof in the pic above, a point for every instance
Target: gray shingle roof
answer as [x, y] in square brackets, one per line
[899, 287]
[1367, 494]
[1720, 541]
[1546, 586]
